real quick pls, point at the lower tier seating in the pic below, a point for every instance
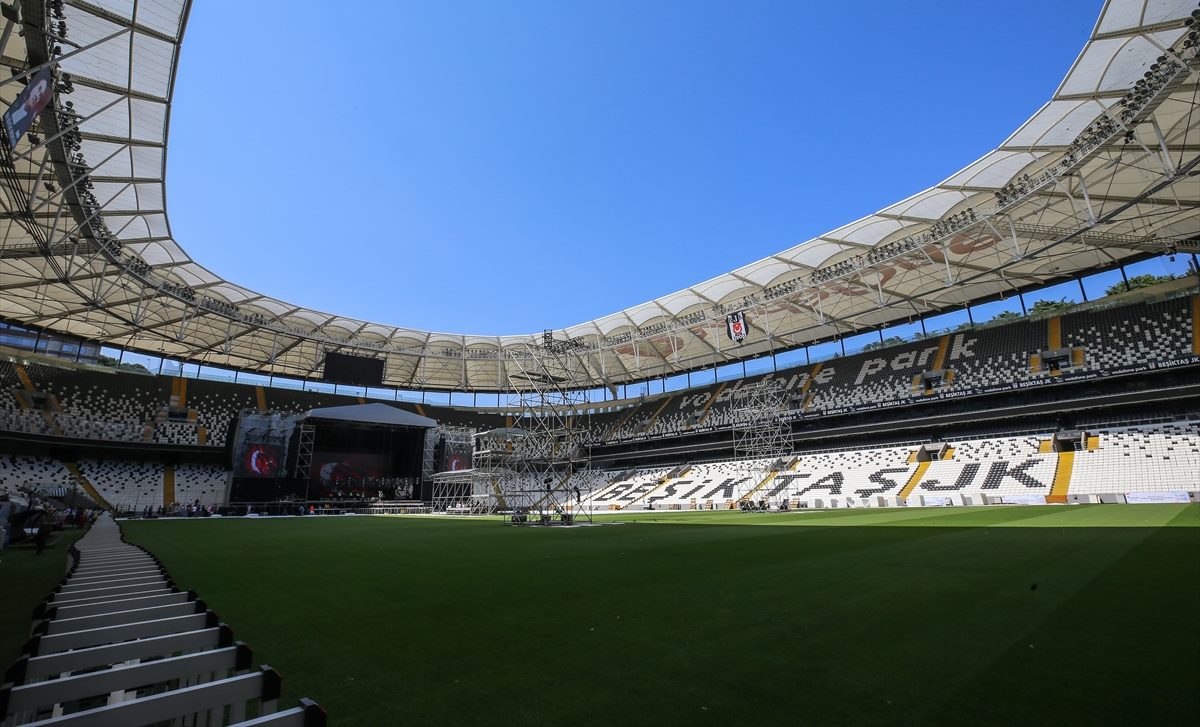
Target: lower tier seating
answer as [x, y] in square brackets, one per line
[32, 473]
[1151, 458]
[205, 483]
[126, 485]
[1161, 457]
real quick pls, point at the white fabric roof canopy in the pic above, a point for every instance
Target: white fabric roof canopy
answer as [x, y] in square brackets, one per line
[123, 84]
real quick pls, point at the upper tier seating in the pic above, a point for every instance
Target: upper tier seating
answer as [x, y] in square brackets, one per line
[981, 357]
[10, 384]
[25, 420]
[176, 433]
[880, 375]
[124, 406]
[96, 396]
[115, 431]
[217, 404]
[1118, 337]
[999, 356]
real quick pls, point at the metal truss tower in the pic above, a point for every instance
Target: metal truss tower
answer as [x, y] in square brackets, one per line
[460, 492]
[533, 463]
[464, 492]
[306, 445]
[761, 437]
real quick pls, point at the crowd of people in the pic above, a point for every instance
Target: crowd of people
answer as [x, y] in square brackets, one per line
[177, 509]
[27, 516]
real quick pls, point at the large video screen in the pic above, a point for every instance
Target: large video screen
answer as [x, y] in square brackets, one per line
[456, 456]
[260, 444]
[260, 460]
[342, 368]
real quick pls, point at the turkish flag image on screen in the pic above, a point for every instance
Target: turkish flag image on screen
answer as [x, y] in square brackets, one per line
[261, 460]
[336, 467]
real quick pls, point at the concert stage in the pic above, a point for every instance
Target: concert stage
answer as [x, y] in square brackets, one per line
[360, 452]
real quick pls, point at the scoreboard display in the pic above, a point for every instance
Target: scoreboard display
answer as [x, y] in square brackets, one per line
[341, 368]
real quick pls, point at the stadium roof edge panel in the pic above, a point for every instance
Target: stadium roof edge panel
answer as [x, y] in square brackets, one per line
[150, 295]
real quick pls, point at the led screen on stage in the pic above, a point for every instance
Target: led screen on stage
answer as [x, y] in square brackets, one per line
[331, 468]
[260, 460]
[456, 456]
[260, 444]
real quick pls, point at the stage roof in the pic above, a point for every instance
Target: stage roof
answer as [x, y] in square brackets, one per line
[374, 413]
[87, 247]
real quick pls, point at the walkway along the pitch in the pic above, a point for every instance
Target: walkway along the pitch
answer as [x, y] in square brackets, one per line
[118, 644]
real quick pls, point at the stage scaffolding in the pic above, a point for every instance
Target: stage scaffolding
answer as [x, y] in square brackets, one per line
[457, 492]
[761, 438]
[534, 465]
[463, 492]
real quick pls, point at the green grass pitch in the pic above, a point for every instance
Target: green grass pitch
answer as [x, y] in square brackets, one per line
[1085, 614]
[25, 579]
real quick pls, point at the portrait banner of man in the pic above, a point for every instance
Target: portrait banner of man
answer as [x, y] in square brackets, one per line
[27, 106]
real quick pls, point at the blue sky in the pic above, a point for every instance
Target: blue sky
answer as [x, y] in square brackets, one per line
[434, 164]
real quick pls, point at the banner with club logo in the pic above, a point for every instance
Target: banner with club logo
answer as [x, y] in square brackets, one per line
[736, 325]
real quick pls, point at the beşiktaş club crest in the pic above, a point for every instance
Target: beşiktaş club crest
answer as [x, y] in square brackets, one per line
[735, 324]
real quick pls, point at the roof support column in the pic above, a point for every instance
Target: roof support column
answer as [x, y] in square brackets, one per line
[137, 311]
[37, 182]
[1168, 165]
[770, 334]
[228, 345]
[1013, 232]
[1087, 200]
[183, 321]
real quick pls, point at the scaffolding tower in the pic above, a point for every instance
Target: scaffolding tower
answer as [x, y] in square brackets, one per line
[464, 491]
[530, 465]
[762, 440]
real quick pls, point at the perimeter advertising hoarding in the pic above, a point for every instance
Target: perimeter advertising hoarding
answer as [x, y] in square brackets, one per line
[1144, 498]
[1023, 499]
